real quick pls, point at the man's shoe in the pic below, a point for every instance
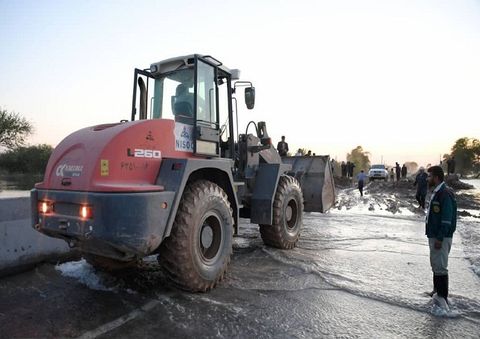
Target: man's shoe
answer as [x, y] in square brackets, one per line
[441, 302]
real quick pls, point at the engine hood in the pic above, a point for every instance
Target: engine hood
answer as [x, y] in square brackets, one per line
[115, 157]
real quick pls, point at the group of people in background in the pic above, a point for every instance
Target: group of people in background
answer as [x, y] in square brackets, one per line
[282, 148]
[347, 169]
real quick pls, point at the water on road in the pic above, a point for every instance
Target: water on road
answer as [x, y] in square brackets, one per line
[356, 273]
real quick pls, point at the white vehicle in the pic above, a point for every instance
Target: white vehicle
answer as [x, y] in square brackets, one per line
[378, 172]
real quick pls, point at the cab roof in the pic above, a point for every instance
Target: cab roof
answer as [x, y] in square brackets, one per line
[187, 61]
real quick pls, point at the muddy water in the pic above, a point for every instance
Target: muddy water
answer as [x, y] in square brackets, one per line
[356, 272]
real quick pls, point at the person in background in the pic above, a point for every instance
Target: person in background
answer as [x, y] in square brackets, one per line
[422, 185]
[350, 167]
[404, 171]
[397, 170]
[299, 153]
[452, 166]
[440, 225]
[361, 177]
[309, 153]
[392, 174]
[343, 166]
[282, 147]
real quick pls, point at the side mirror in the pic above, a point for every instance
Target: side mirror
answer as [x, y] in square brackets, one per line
[250, 97]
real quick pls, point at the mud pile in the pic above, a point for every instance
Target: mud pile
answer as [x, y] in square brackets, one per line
[394, 196]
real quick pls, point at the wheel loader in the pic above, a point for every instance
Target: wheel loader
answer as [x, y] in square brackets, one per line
[177, 177]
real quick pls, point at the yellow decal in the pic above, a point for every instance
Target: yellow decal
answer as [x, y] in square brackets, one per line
[104, 168]
[436, 209]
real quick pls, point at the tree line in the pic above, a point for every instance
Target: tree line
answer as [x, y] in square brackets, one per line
[18, 158]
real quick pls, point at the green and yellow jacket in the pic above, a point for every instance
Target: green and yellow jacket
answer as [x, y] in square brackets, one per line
[442, 214]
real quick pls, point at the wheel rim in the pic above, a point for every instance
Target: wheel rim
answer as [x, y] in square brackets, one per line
[291, 215]
[210, 239]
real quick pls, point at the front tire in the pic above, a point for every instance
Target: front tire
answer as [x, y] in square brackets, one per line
[196, 254]
[287, 215]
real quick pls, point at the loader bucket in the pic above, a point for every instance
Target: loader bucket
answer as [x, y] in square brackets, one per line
[314, 174]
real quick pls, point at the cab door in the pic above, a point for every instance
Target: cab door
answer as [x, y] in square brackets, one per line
[207, 136]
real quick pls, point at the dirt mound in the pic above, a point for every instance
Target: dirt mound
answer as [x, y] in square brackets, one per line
[454, 182]
[342, 182]
[394, 195]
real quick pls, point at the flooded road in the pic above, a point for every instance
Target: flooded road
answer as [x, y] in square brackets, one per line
[356, 273]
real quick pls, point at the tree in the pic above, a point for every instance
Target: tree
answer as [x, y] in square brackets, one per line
[13, 129]
[32, 159]
[467, 154]
[360, 158]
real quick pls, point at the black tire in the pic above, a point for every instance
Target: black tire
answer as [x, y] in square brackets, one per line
[196, 254]
[107, 264]
[287, 215]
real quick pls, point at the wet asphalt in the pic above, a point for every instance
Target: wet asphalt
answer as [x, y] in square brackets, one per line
[351, 276]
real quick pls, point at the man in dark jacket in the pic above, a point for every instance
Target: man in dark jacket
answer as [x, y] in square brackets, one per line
[441, 223]
[397, 170]
[404, 171]
[282, 147]
[422, 185]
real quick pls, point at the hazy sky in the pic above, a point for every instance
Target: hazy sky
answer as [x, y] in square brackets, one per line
[400, 78]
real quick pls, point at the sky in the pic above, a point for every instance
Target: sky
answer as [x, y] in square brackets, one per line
[399, 78]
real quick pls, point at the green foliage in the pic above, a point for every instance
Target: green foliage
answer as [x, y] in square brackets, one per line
[31, 159]
[467, 155]
[13, 129]
[360, 158]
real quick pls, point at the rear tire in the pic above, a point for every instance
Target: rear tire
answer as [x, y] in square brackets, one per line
[287, 215]
[196, 254]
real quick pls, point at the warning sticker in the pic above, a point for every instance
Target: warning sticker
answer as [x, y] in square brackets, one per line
[104, 168]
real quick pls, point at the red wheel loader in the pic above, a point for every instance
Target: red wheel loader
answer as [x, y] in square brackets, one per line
[175, 180]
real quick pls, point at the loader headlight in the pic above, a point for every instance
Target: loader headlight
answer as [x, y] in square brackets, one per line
[45, 207]
[86, 212]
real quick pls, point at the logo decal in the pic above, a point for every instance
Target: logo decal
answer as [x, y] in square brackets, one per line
[66, 170]
[436, 209]
[185, 133]
[149, 136]
[183, 137]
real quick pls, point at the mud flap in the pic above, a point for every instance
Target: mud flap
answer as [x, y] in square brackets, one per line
[265, 187]
[316, 180]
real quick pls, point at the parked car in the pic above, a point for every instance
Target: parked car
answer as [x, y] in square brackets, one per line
[377, 172]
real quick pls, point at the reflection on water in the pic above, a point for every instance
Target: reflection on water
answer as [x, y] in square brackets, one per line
[16, 182]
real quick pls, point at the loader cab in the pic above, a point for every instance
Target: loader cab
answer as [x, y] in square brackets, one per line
[196, 92]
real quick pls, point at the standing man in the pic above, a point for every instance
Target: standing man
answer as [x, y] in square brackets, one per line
[397, 170]
[282, 147]
[441, 223]
[404, 171]
[361, 177]
[350, 169]
[343, 166]
[422, 185]
[452, 166]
